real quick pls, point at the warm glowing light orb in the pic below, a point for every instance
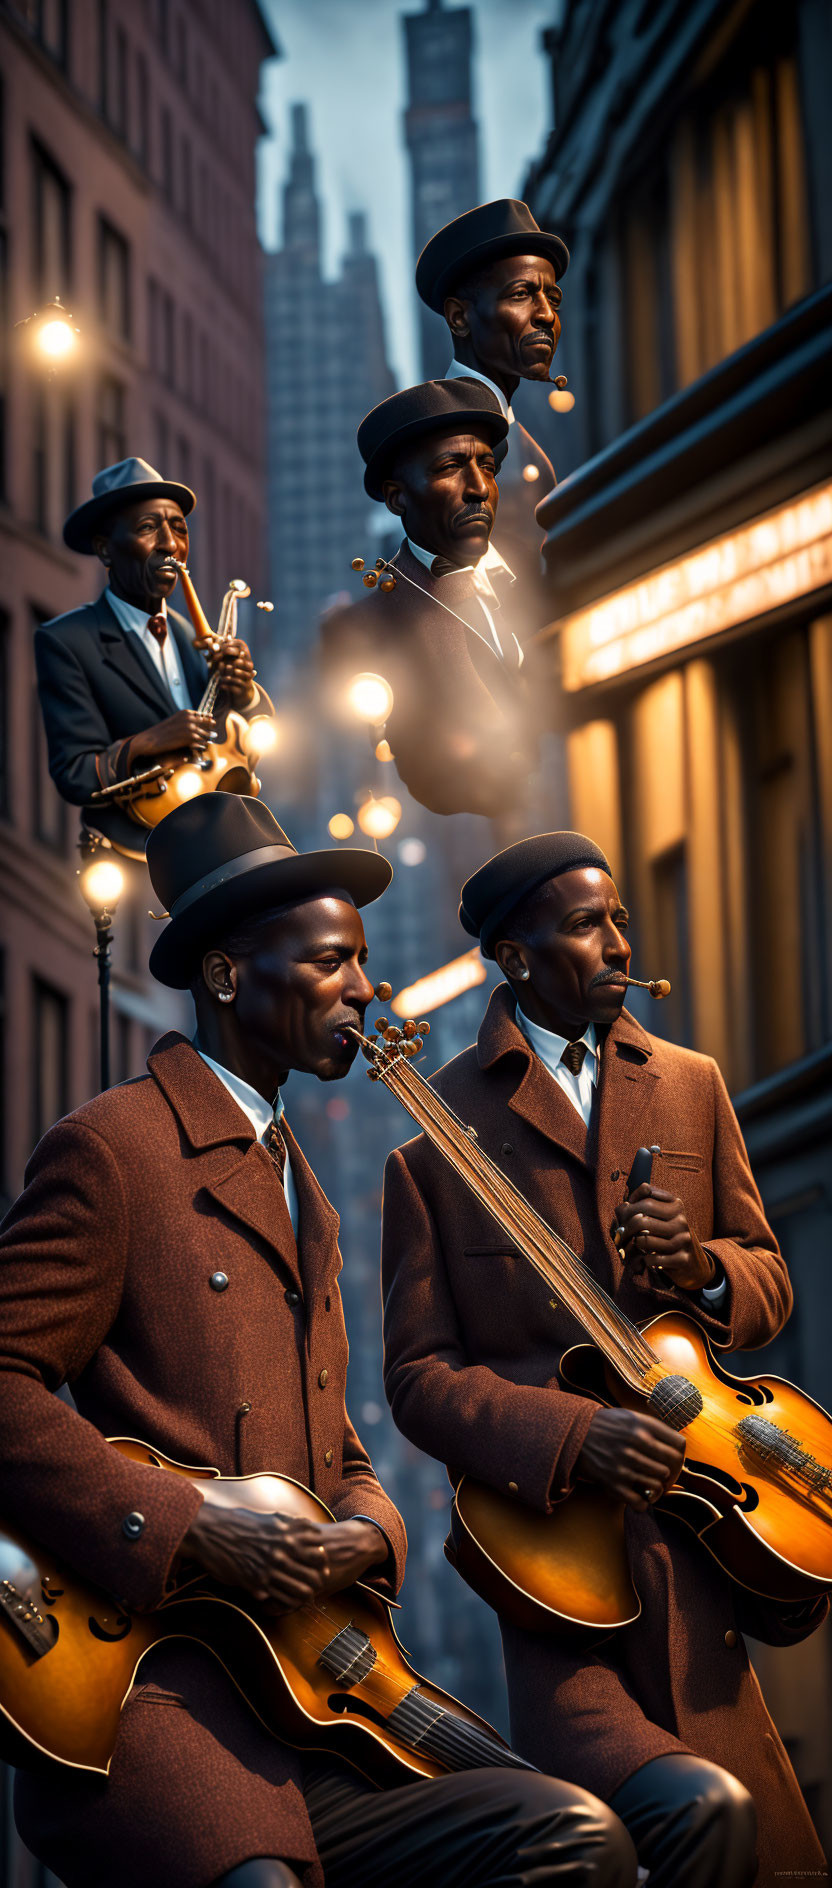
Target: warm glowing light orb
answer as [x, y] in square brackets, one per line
[370, 697]
[561, 400]
[102, 884]
[261, 737]
[530, 473]
[412, 851]
[189, 784]
[383, 750]
[379, 818]
[341, 826]
[463, 973]
[56, 339]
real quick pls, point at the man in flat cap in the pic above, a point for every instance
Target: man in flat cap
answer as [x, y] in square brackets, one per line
[495, 276]
[174, 1259]
[119, 680]
[442, 636]
[663, 1718]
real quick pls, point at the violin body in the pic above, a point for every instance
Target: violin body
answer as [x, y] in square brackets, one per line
[225, 765]
[331, 1675]
[768, 1526]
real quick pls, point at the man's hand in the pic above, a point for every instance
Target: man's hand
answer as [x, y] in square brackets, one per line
[281, 1561]
[236, 670]
[186, 732]
[656, 1233]
[636, 1457]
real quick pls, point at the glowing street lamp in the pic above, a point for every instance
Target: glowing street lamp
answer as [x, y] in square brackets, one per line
[102, 883]
[441, 986]
[370, 698]
[379, 818]
[53, 333]
[341, 826]
[261, 737]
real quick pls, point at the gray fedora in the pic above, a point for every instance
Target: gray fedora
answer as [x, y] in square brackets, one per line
[118, 485]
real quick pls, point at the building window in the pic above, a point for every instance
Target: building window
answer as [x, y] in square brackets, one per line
[113, 280]
[46, 20]
[51, 1056]
[52, 246]
[111, 423]
[142, 112]
[187, 181]
[5, 678]
[118, 119]
[167, 154]
[104, 57]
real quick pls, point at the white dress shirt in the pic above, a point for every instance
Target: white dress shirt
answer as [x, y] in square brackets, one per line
[579, 1089]
[261, 1114]
[165, 655]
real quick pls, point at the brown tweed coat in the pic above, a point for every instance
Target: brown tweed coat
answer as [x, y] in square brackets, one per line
[471, 1356]
[131, 1204]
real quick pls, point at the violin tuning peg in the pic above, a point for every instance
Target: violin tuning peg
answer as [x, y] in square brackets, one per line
[357, 563]
[423, 1028]
[380, 1025]
[560, 382]
[370, 578]
[383, 991]
[265, 606]
[373, 1075]
[392, 1034]
[415, 1046]
[387, 583]
[379, 563]
[408, 1029]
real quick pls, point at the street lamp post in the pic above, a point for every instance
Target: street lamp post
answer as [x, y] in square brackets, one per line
[102, 883]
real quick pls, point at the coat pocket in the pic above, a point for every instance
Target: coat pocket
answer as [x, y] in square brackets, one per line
[677, 1159]
[502, 1251]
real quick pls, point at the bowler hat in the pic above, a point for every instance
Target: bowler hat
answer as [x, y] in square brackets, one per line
[219, 859]
[435, 406]
[490, 895]
[115, 487]
[503, 228]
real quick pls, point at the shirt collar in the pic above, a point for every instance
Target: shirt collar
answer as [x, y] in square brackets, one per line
[548, 1045]
[260, 1112]
[458, 371]
[129, 615]
[480, 572]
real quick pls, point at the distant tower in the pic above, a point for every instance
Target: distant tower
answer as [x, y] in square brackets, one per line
[442, 140]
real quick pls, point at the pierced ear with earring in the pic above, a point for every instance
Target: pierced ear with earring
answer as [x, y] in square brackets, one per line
[523, 975]
[226, 996]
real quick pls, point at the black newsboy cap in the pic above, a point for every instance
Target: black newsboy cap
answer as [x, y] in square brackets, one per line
[491, 894]
[503, 228]
[434, 406]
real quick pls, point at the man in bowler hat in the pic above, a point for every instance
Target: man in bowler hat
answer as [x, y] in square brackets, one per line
[442, 637]
[663, 1717]
[174, 1260]
[119, 680]
[495, 276]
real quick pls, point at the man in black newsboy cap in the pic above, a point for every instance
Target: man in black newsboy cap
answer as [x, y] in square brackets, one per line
[442, 637]
[119, 680]
[174, 1256]
[661, 1717]
[495, 276]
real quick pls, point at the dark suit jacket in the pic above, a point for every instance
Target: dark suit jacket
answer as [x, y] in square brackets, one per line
[471, 1369]
[459, 726]
[130, 1205]
[517, 534]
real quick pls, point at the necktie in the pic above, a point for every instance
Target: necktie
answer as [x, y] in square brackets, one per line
[443, 567]
[158, 626]
[573, 1057]
[275, 1148]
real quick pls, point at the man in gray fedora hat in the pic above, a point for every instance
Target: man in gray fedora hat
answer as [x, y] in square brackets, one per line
[495, 276]
[174, 1259]
[119, 679]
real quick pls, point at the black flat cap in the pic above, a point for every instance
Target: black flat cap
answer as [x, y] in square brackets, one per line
[491, 894]
[503, 228]
[435, 406]
[221, 858]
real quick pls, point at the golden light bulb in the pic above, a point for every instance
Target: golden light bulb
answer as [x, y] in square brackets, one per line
[189, 784]
[341, 826]
[561, 400]
[102, 884]
[370, 697]
[261, 737]
[530, 473]
[56, 339]
[379, 818]
[383, 750]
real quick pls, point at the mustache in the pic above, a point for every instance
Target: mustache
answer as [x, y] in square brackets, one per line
[618, 977]
[540, 334]
[471, 512]
[355, 1020]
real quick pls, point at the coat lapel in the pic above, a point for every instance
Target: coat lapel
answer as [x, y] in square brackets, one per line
[536, 1097]
[128, 657]
[627, 1091]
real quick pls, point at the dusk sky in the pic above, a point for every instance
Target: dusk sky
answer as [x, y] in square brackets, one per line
[345, 59]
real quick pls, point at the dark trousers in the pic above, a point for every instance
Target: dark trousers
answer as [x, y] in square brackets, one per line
[693, 1825]
[477, 1829]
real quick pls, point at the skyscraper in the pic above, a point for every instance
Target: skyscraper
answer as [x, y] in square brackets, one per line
[442, 139]
[325, 366]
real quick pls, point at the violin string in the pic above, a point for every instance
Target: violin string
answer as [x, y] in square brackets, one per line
[397, 1075]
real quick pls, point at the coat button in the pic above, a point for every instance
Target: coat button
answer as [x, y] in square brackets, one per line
[244, 1409]
[329, 1457]
[506, 1150]
[132, 1526]
[323, 1379]
[616, 1173]
[512, 1488]
[730, 1638]
[292, 1298]
[218, 1281]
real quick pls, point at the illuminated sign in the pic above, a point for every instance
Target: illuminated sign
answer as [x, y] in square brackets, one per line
[783, 555]
[464, 973]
